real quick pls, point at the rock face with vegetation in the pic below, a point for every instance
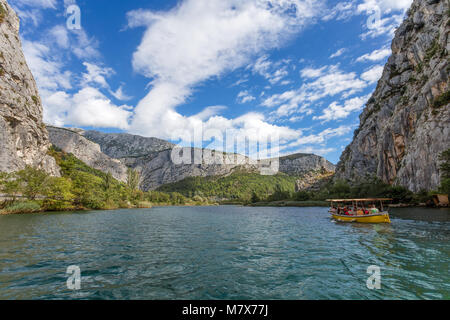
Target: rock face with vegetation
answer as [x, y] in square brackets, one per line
[405, 126]
[71, 141]
[23, 136]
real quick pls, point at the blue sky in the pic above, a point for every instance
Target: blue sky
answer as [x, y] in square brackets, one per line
[298, 70]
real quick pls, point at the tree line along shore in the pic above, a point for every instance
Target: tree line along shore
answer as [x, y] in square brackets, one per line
[81, 187]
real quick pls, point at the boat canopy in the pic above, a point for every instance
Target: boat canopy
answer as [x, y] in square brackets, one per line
[359, 200]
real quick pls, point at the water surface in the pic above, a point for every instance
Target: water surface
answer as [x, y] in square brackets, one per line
[226, 252]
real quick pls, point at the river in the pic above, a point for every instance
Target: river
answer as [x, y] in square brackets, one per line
[225, 252]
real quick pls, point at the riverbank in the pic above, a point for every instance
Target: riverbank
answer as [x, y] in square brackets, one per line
[290, 204]
[33, 207]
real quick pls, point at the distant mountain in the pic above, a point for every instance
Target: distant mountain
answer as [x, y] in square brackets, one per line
[123, 145]
[406, 124]
[152, 157]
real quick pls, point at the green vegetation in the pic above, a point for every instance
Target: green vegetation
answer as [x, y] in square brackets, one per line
[371, 187]
[442, 100]
[279, 190]
[2, 14]
[239, 186]
[35, 99]
[431, 52]
[80, 187]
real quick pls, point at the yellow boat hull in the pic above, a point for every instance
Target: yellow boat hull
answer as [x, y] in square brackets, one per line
[379, 218]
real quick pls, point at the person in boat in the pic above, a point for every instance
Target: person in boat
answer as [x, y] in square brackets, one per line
[346, 211]
[374, 210]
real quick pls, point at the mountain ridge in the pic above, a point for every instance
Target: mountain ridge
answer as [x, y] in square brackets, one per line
[156, 167]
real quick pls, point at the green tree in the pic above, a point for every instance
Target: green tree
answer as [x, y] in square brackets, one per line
[302, 196]
[255, 198]
[88, 190]
[59, 195]
[10, 186]
[133, 179]
[34, 182]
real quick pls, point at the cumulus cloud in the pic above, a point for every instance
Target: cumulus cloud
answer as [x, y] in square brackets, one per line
[324, 82]
[119, 94]
[245, 97]
[335, 111]
[96, 75]
[202, 39]
[274, 72]
[373, 74]
[46, 69]
[86, 108]
[375, 55]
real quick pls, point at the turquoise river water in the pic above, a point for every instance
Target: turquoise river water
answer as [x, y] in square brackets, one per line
[225, 252]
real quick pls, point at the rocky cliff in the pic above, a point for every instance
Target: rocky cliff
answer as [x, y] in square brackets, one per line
[71, 141]
[406, 124]
[23, 136]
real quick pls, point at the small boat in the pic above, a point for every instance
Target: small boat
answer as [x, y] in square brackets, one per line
[360, 210]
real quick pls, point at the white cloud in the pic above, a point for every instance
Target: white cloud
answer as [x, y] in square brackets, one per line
[335, 111]
[96, 75]
[84, 47]
[386, 6]
[382, 17]
[202, 39]
[342, 11]
[320, 138]
[31, 10]
[45, 68]
[273, 72]
[209, 112]
[244, 97]
[338, 53]
[326, 81]
[376, 55]
[120, 95]
[373, 75]
[36, 3]
[61, 36]
[312, 72]
[87, 108]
